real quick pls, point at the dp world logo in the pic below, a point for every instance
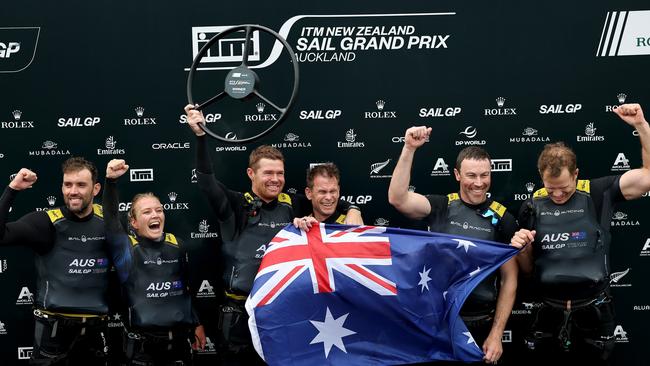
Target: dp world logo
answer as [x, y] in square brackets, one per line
[469, 132]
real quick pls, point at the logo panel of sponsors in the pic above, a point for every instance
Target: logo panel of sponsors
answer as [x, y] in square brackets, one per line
[17, 48]
[320, 114]
[25, 297]
[590, 134]
[18, 122]
[25, 353]
[500, 110]
[140, 119]
[529, 135]
[378, 169]
[470, 132]
[110, 145]
[621, 163]
[435, 112]
[141, 175]
[205, 290]
[292, 141]
[350, 141]
[618, 279]
[620, 97]
[560, 108]
[78, 121]
[204, 231]
[381, 112]
[358, 199]
[49, 148]
[440, 168]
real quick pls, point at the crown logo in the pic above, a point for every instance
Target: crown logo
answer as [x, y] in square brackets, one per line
[203, 226]
[500, 101]
[51, 200]
[350, 135]
[110, 142]
[621, 97]
[292, 190]
[260, 107]
[380, 104]
[17, 114]
[590, 130]
[172, 196]
[139, 111]
[49, 145]
[529, 187]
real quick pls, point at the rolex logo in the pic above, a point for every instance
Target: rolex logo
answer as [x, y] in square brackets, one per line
[380, 104]
[590, 130]
[621, 97]
[172, 196]
[51, 200]
[530, 187]
[260, 107]
[350, 135]
[17, 114]
[500, 101]
[139, 111]
[203, 226]
[110, 143]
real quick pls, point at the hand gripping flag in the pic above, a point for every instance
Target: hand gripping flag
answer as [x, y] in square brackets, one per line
[367, 295]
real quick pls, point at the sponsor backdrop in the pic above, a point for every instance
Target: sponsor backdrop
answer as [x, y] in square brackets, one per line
[108, 81]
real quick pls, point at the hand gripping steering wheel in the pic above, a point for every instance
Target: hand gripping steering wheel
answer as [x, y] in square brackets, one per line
[241, 82]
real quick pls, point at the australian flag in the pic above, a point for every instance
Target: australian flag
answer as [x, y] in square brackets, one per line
[367, 295]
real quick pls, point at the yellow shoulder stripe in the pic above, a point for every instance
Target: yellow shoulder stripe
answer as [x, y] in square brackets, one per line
[55, 215]
[452, 197]
[249, 197]
[134, 241]
[284, 198]
[171, 239]
[498, 208]
[98, 210]
[540, 193]
[584, 185]
[340, 219]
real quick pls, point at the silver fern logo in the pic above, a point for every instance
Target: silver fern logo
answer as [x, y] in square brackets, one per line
[139, 111]
[616, 277]
[377, 167]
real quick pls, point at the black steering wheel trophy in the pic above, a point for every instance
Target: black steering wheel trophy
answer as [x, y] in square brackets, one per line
[242, 82]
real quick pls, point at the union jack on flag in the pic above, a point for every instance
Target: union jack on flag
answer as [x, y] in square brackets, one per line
[367, 295]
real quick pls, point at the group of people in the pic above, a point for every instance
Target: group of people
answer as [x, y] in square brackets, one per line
[570, 273]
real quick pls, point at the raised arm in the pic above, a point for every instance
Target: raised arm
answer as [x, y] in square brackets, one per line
[410, 204]
[119, 244]
[636, 182]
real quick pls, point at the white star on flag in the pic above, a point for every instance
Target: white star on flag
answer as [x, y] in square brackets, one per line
[331, 332]
[464, 243]
[470, 339]
[424, 278]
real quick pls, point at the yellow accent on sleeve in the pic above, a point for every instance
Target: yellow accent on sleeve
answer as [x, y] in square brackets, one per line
[452, 197]
[55, 215]
[249, 197]
[540, 193]
[98, 210]
[584, 185]
[341, 219]
[171, 239]
[134, 241]
[498, 208]
[284, 198]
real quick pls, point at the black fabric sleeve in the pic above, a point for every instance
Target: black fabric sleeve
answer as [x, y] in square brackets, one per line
[203, 162]
[606, 193]
[507, 228]
[119, 245]
[34, 230]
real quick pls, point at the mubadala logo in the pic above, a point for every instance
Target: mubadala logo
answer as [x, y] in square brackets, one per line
[559, 108]
[204, 231]
[209, 118]
[141, 175]
[380, 221]
[320, 114]
[501, 165]
[500, 111]
[530, 135]
[350, 140]
[78, 121]
[440, 168]
[173, 205]
[291, 140]
[621, 99]
[170, 145]
[49, 148]
[645, 251]
[18, 122]
[205, 290]
[439, 112]
[376, 168]
[620, 335]
[590, 134]
[260, 116]
[380, 113]
[139, 121]
[621, 164]
[25, 297]
[110, 144]
[616, 277]
[530, 188]
[357, 200]
[469, 132]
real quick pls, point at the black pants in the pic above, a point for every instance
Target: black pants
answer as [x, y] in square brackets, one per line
[587, 338]
[157, 349]
[236, 346]
[64, 341]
